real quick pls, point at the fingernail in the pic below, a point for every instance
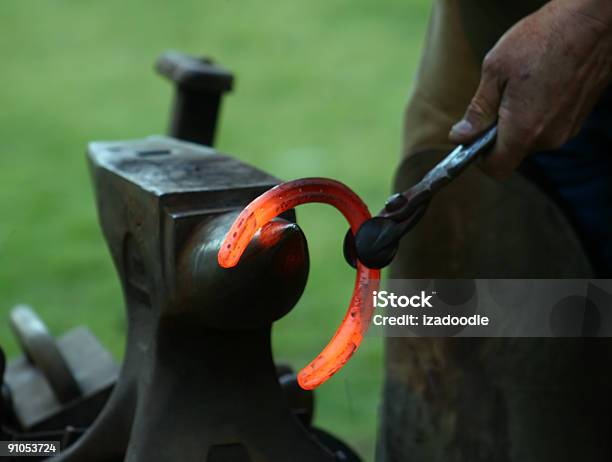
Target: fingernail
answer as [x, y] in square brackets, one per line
[462, 128]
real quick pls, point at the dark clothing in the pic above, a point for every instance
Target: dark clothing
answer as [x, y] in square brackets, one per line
[579, 178]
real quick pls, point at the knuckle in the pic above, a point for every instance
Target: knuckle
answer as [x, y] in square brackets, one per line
[479, 108]
[490, 64]
[525, 131]
[533, 133]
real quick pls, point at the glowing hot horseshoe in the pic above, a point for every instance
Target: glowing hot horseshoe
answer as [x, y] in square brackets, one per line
[286, 196]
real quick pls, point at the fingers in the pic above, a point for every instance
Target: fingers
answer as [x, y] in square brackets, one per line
[515, 136]
[482, 110]
[505, 102]
[524, 126]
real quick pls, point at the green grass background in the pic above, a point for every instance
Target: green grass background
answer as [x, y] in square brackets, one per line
[320, 90]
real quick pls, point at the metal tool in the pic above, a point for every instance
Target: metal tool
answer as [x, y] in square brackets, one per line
[199, 86]
[377, 240]
[58, 387]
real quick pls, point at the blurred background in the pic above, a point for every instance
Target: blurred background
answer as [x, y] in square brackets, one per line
[320, 90]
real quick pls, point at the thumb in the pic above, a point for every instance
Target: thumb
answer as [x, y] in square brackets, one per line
[480, 114]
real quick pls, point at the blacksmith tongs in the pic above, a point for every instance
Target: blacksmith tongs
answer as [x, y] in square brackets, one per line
[377, 240]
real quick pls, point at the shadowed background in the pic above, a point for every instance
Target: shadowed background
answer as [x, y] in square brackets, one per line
[320, 90]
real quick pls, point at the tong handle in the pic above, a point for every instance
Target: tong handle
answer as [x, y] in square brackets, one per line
[401, 206]
[377, 240]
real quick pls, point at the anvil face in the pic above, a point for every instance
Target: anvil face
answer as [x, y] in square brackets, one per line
[152, 194]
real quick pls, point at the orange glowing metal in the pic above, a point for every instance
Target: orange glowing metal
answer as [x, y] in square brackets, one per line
[286, 196]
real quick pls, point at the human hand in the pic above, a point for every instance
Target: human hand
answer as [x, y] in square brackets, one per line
[540, 81]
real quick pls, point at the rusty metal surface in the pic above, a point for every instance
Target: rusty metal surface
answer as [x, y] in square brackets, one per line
[57, 388]
[42, 351]
[90, 366]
